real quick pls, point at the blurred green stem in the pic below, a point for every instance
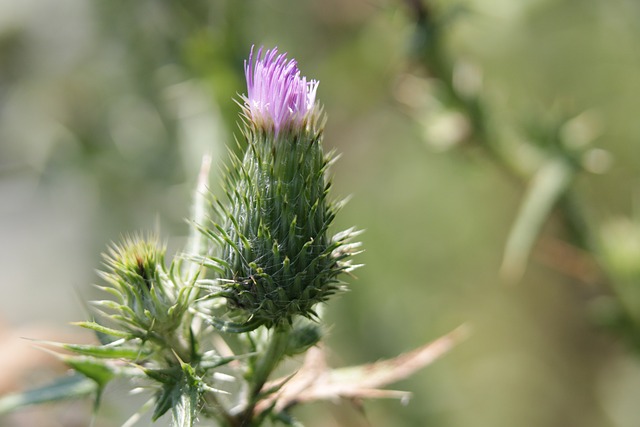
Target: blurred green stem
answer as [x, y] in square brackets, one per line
[272, 357]
[263, 366]
[433, 57]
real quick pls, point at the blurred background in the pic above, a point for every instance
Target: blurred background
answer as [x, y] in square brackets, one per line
[449, 115]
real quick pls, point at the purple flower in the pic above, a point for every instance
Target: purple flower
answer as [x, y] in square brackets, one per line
[277, 96]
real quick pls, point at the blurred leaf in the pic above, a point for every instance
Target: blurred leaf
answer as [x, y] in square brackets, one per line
[96, 369]
[107, 352]
[103, 329]
[196, 245]
[61, 389]
[101, 351]
[545, 189]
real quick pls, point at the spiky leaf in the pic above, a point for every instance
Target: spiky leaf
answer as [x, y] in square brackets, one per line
[64, 388]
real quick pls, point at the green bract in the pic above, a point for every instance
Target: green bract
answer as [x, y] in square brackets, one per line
[149, 299]
[276, 258]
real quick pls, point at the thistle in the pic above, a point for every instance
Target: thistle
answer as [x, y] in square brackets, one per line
[266, 253]
[276, 258]
[150, 301]
[146, 333]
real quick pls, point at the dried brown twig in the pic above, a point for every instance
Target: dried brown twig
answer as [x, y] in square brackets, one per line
[317, 381]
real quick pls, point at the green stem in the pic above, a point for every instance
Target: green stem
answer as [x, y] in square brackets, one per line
[263, 367]
[271, 358]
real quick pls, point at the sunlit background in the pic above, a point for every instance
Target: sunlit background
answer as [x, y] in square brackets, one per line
[106, 108]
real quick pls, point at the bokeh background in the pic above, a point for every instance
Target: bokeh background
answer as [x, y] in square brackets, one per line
[106, 108]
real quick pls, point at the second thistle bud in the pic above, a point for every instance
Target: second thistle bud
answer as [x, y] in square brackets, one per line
[148, 299]
[277, 259]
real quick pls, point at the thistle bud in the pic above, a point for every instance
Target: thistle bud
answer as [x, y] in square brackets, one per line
[148, 298]
[277, 259]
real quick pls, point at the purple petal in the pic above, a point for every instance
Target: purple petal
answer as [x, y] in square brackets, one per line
[277, 96]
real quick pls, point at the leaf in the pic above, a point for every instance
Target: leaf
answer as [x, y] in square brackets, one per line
[108, 352]
[545, 190]
[185, 408]
[164, 375]
[181, 396]
[103, 329]
[96, 369]
[164, 401]
[61, 389]
[101, 351]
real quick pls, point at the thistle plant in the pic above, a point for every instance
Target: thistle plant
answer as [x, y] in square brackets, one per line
[206, 331]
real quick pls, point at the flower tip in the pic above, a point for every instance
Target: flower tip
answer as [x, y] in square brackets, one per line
[278, 96]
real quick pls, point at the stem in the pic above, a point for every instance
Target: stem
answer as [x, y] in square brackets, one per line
[263, 367]
[272, 356]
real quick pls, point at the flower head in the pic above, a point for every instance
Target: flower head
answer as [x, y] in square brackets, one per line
[278, 97]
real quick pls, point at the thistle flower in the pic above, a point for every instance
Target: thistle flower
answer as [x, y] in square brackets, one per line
[276, 259]
[278, 98]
